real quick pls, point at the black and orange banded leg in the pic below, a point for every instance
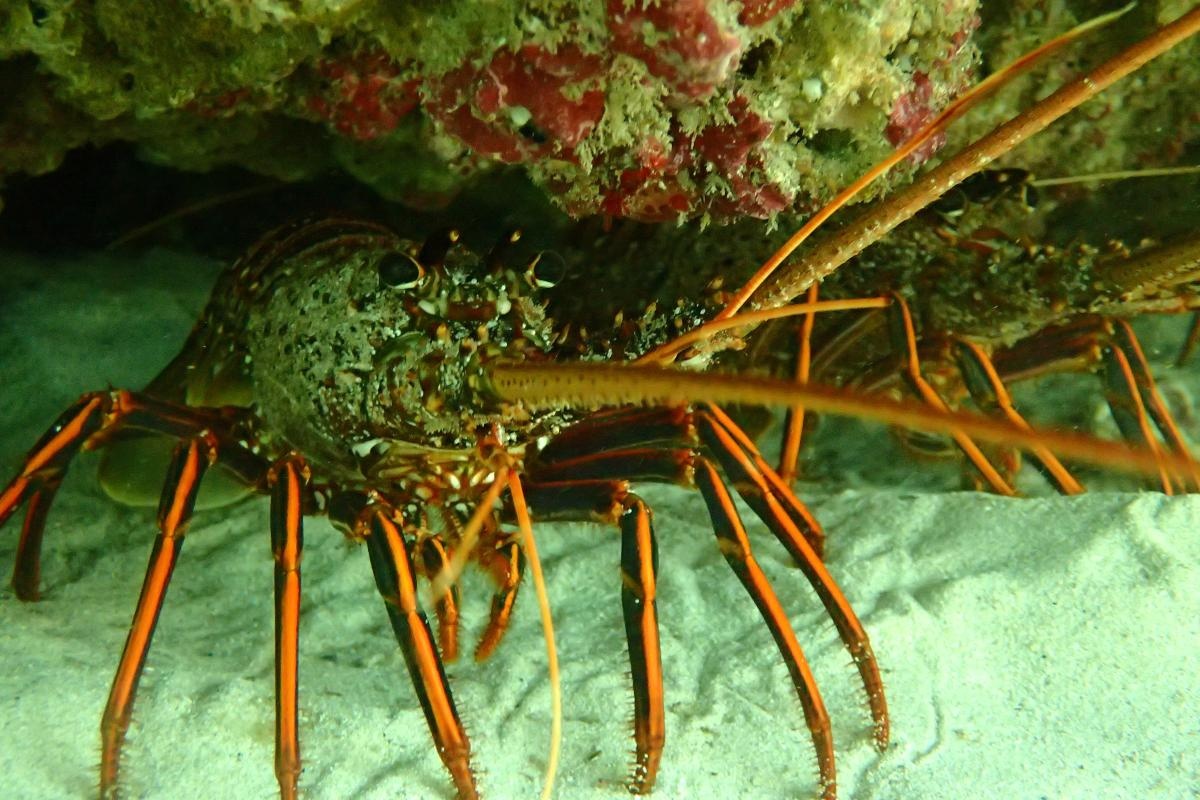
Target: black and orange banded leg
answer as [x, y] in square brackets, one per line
[38, 482]
[765, 492]
[611, 501]
[1189, 341]
[289, 480]
[904, 338]
[754, 480]
[639, 581]
[1127, 406]
[793, 426]
[735, 546]
[750, 476]
[392, 562]
[182, 483]
[94, 416]
[1123, 338]
[505, 564]
[635, 444]
[434, 559]
[990, 394]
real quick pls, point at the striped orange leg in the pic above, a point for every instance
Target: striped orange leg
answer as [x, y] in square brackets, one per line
[1133, 397]
[639, 580]
[38, 482]
[1190, 341]
[1124, 338]
[505, 564]
[748, 473]
[434, 559]
[794, 424]
[288, 480]
[753, 479]
[647, 433]
[392, 562]
[905, 340]
[735, 546]
[1127, 405]
[82, 426]
[607, 500]
[988, 390]
[182, 483]
[585, 493]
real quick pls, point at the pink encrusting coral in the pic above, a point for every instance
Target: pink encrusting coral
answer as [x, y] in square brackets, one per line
[660, 110]
[912, 111]
[364, 96]
[680, 42]
[917, 107]
[664, 184]
[521, 105]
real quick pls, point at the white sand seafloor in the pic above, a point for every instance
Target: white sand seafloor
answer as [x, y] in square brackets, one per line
[1031, 648]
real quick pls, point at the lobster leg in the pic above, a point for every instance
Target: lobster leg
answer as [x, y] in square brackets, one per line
[611, 501]
[1133, 397]
[750, 476]
[641, 434]
[1190, 341]
[174, 512]
[289, 479]
[434, 559]
[93, 417]
[766, 492]
[794, 424]
[639, 579]
[506, 565]
[763, 491]
[38, 482]
[905, 338]
[1124, 338]
[988, 390]
[392, 563]
[1127, 406]
[735, 546]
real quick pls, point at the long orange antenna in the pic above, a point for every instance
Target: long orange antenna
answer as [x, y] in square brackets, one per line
[881, 219]
[951, 113]
[529, 547]
[680, 343]
[588, 385]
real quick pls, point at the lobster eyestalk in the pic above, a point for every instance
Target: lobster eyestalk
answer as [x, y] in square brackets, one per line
[589, 386]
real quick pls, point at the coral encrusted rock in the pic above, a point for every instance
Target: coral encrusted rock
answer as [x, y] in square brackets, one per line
[646, 109]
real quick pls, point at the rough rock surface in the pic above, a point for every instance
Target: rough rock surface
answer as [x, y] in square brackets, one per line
[626, 107]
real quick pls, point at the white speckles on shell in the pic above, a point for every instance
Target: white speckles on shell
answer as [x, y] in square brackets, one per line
[336, 358]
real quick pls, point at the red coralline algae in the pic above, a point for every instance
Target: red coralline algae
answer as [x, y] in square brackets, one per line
[221, 106]
[521, 105]
[653, 109]
[666, 183]
[726, 146]
[758, 12]
[680, 42]
[364, 96]
[657, 110]
[916, 108]
[912, 111]
[650, 191]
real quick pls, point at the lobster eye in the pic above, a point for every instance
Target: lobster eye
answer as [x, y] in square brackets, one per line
[400, 271]
[547, 270]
